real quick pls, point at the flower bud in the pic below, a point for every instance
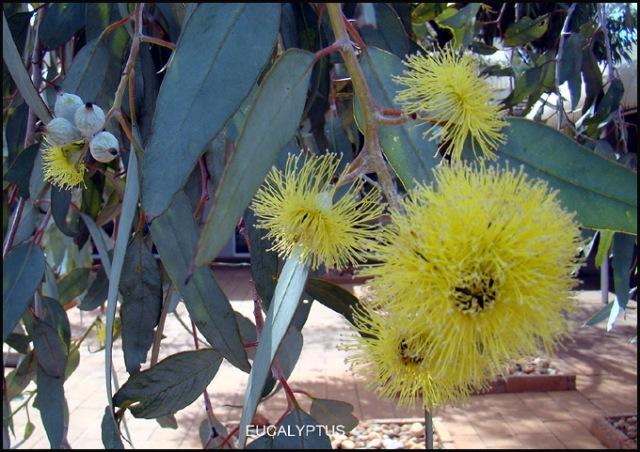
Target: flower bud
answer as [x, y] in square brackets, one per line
[104, 147]
[89, 119]
[60, 131]
[66, 106]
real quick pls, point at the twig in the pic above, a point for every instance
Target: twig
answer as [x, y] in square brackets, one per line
[13, 229]
[204, 188]
[371, 154]
[36, 77]
[155, 349]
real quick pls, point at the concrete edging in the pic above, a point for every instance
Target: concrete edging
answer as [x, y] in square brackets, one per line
[610, 436]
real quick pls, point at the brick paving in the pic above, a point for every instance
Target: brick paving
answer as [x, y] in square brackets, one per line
[605, 365]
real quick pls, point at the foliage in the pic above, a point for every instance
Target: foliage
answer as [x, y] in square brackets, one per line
[206, 102]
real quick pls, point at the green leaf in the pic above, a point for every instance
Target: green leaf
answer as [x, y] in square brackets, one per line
[51, 338]
[129, 206]
[283, 307]
[264, 263]
[73, 284]
[168, 421]
[52, 405]
[95, 71]
[60, 23]
[20, 377]
[623, 247]
[269, 126]
[571, 65]
[110, 432]
[175, 234]
[170, 385]
[334, 413]
[13, 61]
[606, 237]
[461, 24]
[607, 105]
[333, 296]
[601, 192]
[96, 294]
[141, 289]
[28, 430]
[300, 431]
[526, 30]
[592, 78]
[411, 156]
[60, 201]
[23, 271]
[388, 33]
[213, 68]
[20, 171]
[19, 342]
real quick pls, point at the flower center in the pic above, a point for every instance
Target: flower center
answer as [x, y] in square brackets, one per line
[475, 296]
[408, 356]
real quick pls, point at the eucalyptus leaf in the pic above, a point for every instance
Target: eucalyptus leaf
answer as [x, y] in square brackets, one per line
[110, 432]
[333, 413]
[285, 301]
[601, 192]
[525, 30]
[214, 66]
[60, 202]
[60, 23]
[141, 289]
[175, 234]
[268, 127]
[20, 171]
[22, 274]
[171, 385]
[52, 404]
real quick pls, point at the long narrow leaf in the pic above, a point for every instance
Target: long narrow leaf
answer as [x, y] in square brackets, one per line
[283, 307]
[129, 204]
[19, 74]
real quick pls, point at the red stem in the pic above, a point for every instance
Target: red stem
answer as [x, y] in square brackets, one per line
[204, 188]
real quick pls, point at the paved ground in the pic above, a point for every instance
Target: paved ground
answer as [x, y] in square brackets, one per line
[605, 364]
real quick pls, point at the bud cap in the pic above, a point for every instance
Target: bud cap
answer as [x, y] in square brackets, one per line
[66, 106]
[104, 147]
[89, 119]
[60, 131]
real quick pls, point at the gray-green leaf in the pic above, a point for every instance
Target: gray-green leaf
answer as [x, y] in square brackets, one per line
[214, 67]
[170, 385]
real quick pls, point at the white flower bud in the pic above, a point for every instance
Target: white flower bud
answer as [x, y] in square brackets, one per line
[104, 147]
[66, 106]
[60, 131]
[89, 119]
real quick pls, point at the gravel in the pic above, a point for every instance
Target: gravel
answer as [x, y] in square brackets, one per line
[379, 435]
[532, 365]
[627, 425]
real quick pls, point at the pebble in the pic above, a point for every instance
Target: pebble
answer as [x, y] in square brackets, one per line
[392, 444]
[383, 436]
[347, 444]
[417, 429]
[375, 443]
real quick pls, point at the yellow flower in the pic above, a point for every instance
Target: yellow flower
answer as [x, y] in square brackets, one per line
[479, 270]
[397, 365]
[62, 165]
[298, 208]
[446, 89]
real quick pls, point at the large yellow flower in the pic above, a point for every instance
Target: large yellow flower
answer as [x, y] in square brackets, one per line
[62, 166]
[446, 89]
[479, 270]
[299, 208]
[397, 365]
